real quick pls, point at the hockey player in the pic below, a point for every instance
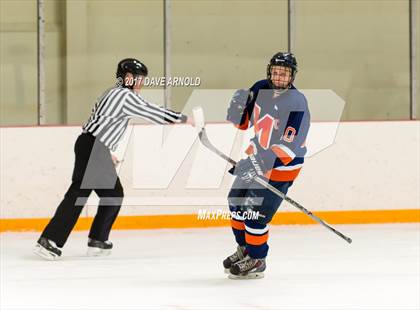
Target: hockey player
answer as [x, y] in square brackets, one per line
[280, 118]
[94, 168]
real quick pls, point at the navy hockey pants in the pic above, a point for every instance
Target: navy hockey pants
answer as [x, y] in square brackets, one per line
[249, 230]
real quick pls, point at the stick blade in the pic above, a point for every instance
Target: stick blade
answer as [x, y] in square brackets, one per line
[198, 116]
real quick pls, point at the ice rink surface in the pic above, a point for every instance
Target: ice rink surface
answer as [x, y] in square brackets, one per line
[308, 268]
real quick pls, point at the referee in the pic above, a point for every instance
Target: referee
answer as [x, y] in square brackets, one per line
[94, 168]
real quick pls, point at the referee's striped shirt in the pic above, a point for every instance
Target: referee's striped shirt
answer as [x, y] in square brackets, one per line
[113, 110]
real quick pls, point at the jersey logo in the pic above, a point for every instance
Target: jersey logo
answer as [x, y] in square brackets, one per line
[263, 127]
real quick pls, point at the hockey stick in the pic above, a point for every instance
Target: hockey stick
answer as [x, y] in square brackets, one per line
[200, 126]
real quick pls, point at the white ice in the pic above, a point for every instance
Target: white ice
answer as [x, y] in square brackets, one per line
[308, 268]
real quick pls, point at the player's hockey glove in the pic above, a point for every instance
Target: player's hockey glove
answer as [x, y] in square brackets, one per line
[235, 112]
[247, 169]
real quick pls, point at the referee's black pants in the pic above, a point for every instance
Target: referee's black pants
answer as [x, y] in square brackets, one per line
[93, 171]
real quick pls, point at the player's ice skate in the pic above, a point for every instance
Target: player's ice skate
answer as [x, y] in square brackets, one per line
[235, 257]
[99, 248]
[47, 249]
[248, 268]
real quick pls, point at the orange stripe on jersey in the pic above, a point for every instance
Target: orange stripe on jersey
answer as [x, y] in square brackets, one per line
[284, 157]
[257, 111]
[256, 240]
[282, 176]
[237, 224]
[243, 126]
[249, 150]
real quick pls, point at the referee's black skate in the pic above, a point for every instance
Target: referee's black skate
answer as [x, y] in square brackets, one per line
[235, 257]
[248, 268]
[47, 249]
[99, 248]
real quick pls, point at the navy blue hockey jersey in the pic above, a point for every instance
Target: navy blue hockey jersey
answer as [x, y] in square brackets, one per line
[281, 122]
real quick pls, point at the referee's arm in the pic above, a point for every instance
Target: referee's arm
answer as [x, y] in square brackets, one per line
[136, 106]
